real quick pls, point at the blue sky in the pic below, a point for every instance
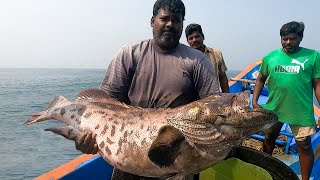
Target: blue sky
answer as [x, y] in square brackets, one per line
[86, 34]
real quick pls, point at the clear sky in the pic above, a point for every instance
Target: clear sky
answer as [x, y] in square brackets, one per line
[86, 34]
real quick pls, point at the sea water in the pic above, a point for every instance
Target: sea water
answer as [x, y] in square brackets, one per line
[27, 152]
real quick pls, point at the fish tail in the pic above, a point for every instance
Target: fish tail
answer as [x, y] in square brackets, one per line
[38, 117]
[46, 114]
[56, 102]
[66, 131]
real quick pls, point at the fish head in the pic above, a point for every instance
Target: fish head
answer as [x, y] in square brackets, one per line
[221, 118]
[232, 116]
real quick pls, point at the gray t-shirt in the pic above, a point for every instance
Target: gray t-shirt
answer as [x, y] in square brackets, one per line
[141, 76]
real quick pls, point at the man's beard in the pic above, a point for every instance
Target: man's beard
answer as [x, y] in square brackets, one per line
[290, 49]
[167, 42]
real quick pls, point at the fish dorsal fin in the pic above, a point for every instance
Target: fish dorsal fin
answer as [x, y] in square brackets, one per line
[101, 97]
[56, 101]
[92, 94]
[165, 149]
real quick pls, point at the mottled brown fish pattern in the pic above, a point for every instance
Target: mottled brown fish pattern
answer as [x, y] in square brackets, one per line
[159, 142]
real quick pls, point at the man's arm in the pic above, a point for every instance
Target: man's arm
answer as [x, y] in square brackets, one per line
[222, 70]
[118, 77]
[261, 80]
[316, 87]
[116, 84]
[224, 82]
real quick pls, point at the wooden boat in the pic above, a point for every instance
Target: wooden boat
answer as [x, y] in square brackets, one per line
[94, 167]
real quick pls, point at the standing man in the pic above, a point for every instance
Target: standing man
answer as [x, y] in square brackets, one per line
[293, 72]
[158, 72]
[195, 39]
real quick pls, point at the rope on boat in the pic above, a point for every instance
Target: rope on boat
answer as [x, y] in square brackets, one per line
[243, 80]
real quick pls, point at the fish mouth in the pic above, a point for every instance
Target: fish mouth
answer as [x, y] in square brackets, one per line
[248, 122]
[260, 116]
[262, 111]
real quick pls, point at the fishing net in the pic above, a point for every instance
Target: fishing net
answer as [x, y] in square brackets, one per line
[257, 145]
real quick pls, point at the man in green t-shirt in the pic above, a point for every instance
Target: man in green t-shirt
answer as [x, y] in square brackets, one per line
[293, 72]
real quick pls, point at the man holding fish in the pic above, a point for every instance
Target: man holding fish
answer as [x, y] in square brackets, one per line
[160, 72]
[157, 112]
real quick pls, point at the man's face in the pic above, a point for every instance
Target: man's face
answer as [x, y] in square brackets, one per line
[290, 43]
[167, 29]
[195, 40]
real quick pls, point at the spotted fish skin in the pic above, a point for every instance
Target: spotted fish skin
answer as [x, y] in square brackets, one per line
[159, 142]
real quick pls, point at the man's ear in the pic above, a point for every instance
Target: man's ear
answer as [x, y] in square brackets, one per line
[152, 21]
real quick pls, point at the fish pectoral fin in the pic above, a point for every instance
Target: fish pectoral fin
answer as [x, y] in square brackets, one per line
[165, 149]
[66, 131]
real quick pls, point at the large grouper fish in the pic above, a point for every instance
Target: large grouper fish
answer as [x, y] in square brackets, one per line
[159, 142]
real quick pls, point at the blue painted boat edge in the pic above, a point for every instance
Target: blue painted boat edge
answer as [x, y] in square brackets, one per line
[94, 168]
[316, 170]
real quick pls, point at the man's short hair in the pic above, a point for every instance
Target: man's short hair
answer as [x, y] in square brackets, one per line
[192, 28]
[292, 27]
[173, 6]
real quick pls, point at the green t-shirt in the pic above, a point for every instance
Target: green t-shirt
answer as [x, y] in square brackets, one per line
[290, 85]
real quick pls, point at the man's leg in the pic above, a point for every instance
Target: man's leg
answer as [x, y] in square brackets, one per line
[270, 137]
[306, 157]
